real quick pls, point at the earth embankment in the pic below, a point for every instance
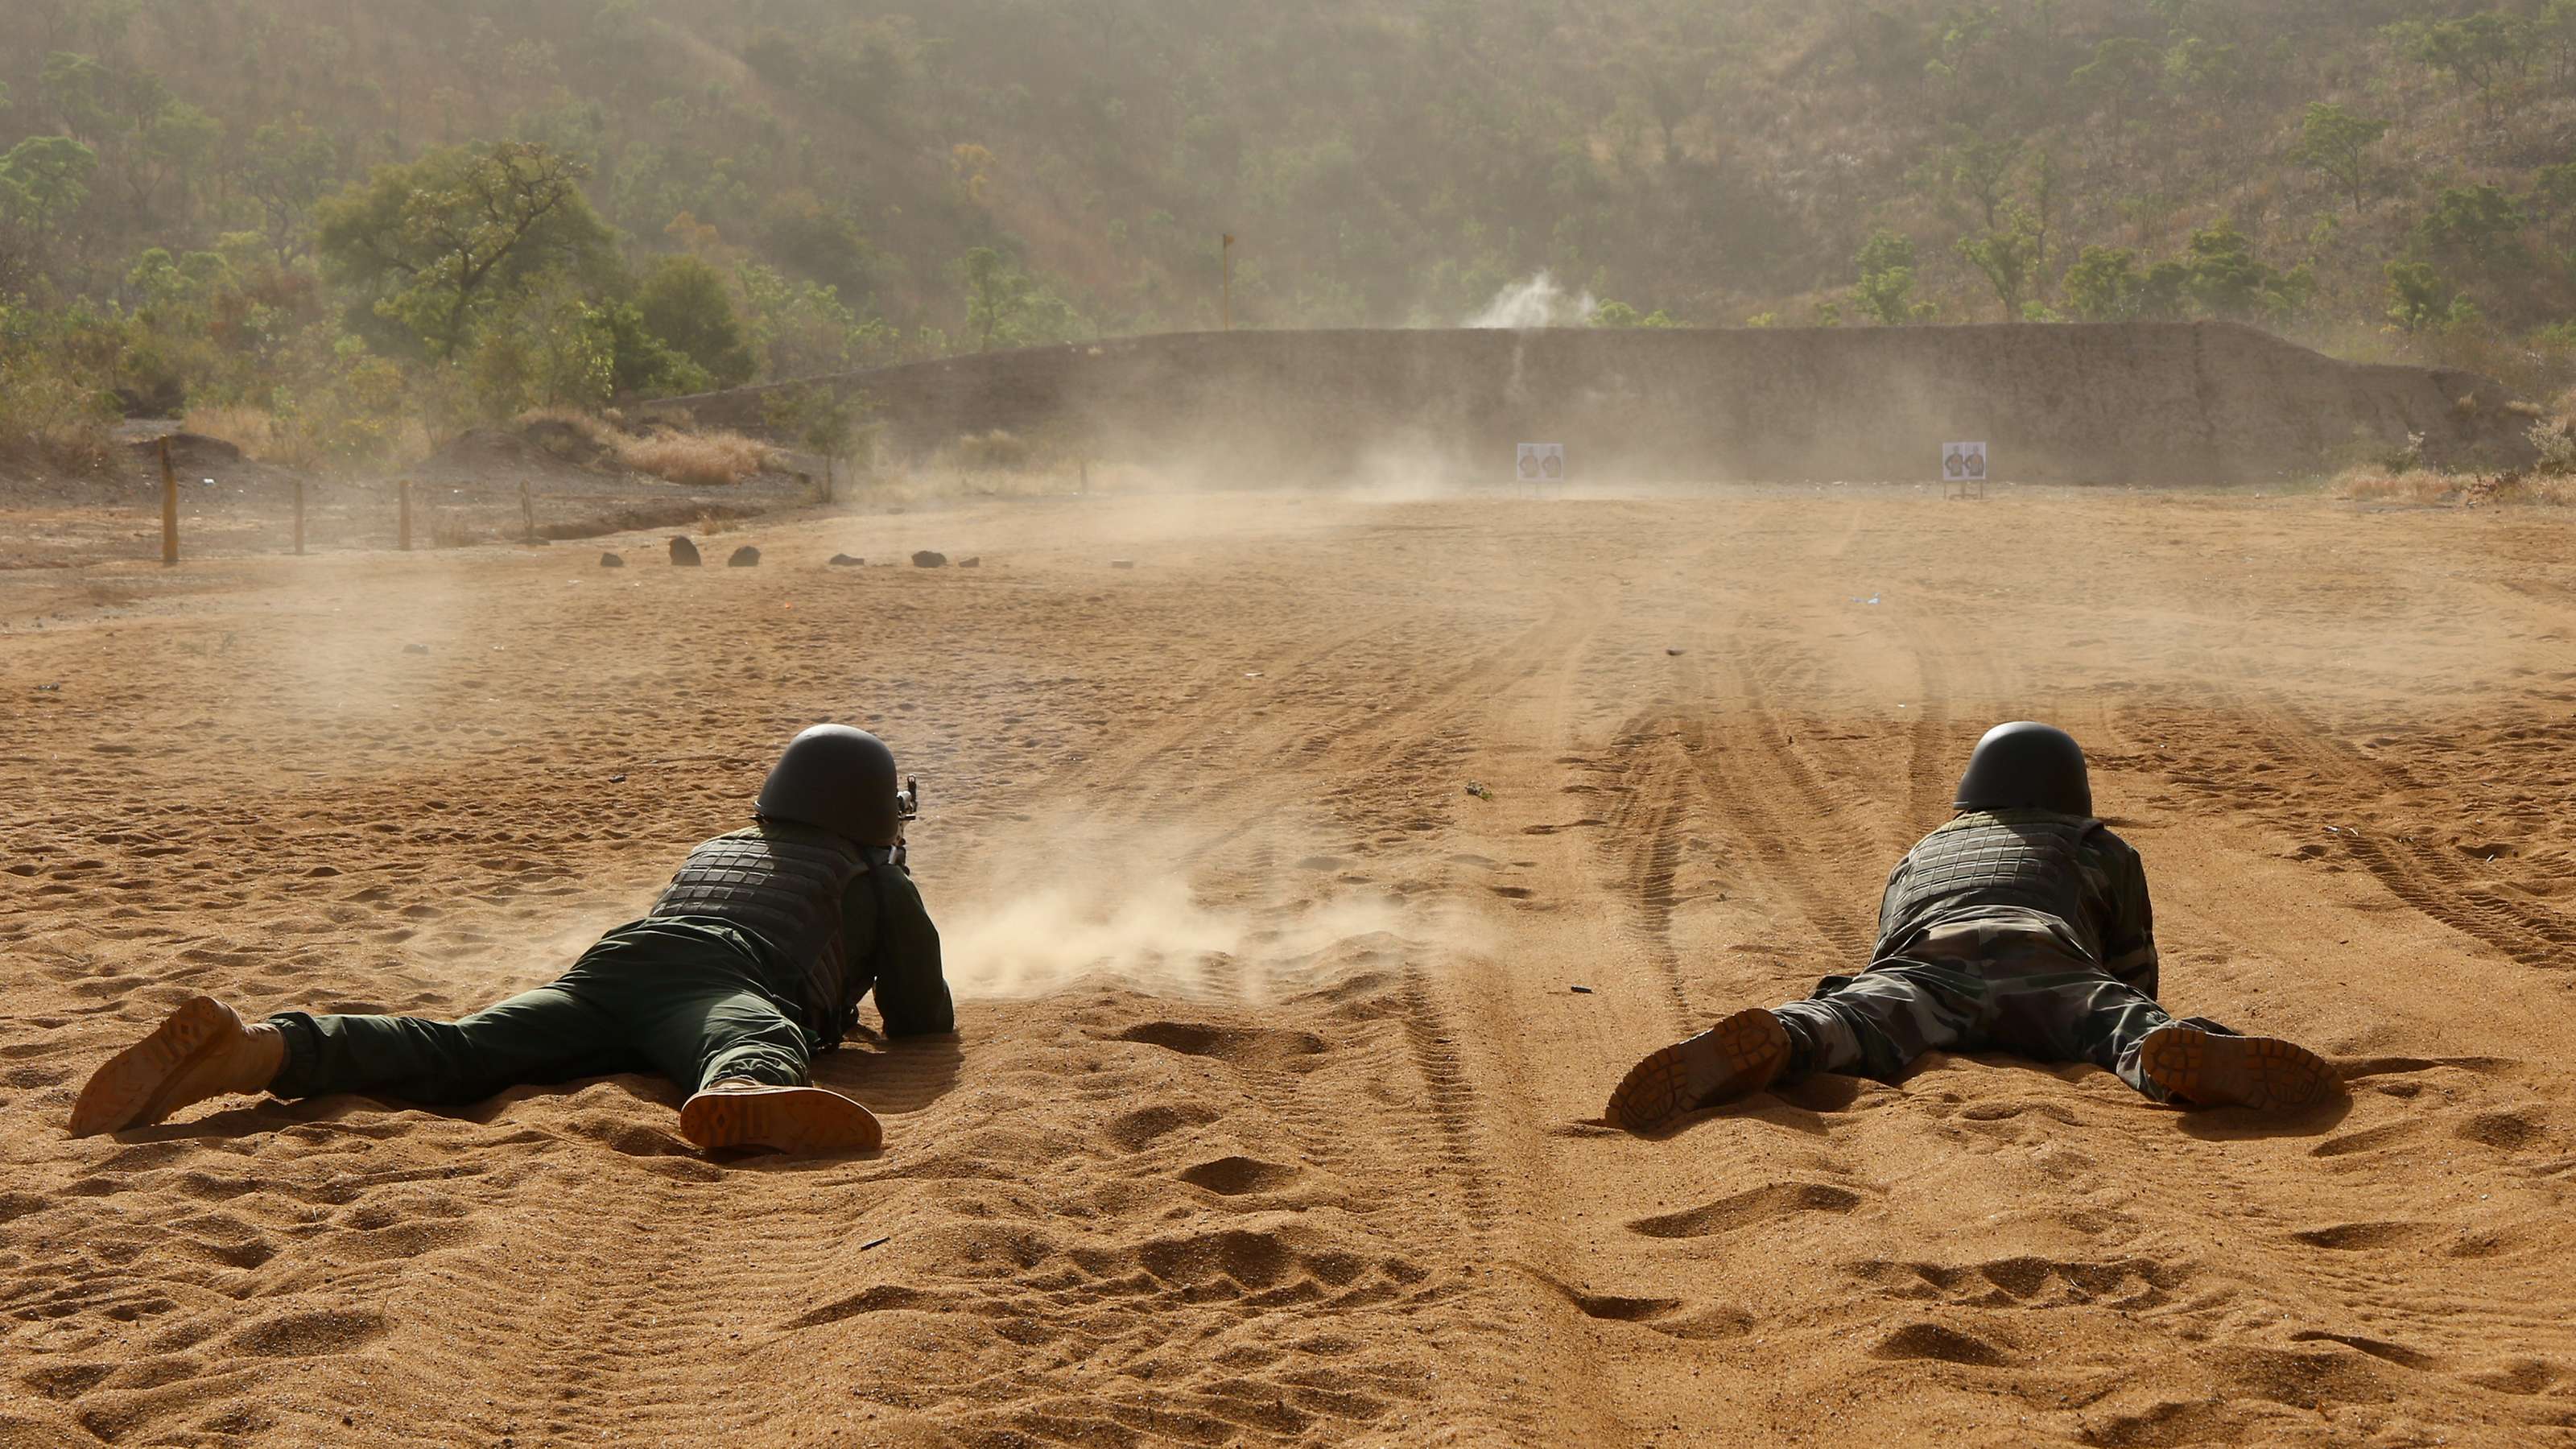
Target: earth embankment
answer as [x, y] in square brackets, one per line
[2136, 402]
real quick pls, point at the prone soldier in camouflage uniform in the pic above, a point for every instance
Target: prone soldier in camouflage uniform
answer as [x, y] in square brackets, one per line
[753, 959]
[2022, 925]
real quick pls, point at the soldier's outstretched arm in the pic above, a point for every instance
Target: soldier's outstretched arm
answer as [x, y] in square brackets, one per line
[912, 991]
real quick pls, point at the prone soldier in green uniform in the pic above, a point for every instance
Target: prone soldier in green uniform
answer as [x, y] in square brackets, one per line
[2022, 925]
[753, 959]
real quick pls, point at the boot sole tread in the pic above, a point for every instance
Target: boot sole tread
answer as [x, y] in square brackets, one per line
[1747, 1051]
[798, 1120]
[2209, 1070]
[132, 1088]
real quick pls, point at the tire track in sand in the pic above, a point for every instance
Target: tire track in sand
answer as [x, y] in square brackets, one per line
[1774, 804]
[1649, 822]
[2426, 877]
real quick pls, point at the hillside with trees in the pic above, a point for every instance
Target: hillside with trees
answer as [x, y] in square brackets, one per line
[355, 227]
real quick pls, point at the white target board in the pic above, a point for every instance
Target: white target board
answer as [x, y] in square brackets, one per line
[1963, 462]
[1542, 463]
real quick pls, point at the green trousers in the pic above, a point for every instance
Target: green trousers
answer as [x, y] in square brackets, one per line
[1977, 989]
[678, 996]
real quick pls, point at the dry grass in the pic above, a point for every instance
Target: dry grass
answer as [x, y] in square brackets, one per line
[264, 437]
[598, 430]
[2467, 490]
[452, 530]
[705, 460]
[996, 451]
[709, 459]
[253, 430]
[2378, 485]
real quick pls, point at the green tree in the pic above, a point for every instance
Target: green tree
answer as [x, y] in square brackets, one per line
[2008, 256]
[2162, 290]
[76, 87]
[2552, 198]
[2475, 51]
[441, 240]
[1981, 171]
[683, 301]
[45, 178]
[345, 405]
[173, 143]
[802, 329]
[996, 294]
[1620, 315]
[2557, 29]
[2337, 143]
[642, 364]
[2418, 296]
[289, 167]
[2122, 79]
[828, 421]
[549, 345]
[2474, 227]
[1886, 284]
[1006, 305]
[2227, 279]
[2106, 285]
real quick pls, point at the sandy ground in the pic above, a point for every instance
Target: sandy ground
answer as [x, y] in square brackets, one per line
[1272, 1117]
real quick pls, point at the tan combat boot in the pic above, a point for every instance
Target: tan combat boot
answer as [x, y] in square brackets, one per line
[202, 1050]
[2206, 1069]
[1741, 1054]
[739, 1112]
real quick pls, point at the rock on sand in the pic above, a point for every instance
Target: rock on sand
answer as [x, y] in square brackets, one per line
[684, 553]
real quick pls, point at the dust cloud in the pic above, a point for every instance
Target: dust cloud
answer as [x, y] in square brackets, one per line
[1063, 903]
[1535, 302]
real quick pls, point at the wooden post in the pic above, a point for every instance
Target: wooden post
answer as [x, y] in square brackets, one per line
[528, 509]
[405, 489]
[299, 518]
[169, 505]
[1225, 299]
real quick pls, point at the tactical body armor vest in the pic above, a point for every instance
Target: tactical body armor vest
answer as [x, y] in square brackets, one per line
[2023, 859]
[783, 886]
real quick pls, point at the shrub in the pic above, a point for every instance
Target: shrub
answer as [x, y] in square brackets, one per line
[55, 375]
[995, 451]
[2557, 444]
[704, 460]
[255, 430]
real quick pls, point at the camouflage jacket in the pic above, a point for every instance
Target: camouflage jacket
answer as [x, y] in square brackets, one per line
[2070, 881]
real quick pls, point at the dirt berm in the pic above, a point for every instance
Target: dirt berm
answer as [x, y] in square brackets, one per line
[2144, 402]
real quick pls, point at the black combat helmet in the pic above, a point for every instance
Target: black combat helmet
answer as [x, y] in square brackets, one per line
[838, 778]
[2025, 766]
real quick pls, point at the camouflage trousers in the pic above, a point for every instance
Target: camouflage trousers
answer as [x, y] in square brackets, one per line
[1973, 989]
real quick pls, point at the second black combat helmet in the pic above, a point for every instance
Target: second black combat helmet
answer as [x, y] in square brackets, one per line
[839, 779]
[2026, 766]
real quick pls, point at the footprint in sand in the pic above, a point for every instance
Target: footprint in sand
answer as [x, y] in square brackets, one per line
[1240, 1045]
[1238, 1176]
[1139, 1129]
[1760, 1205]
[1943, 1345]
